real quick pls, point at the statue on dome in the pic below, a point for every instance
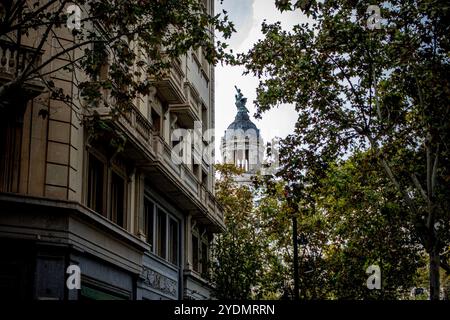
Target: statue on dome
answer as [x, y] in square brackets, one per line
[240, 101]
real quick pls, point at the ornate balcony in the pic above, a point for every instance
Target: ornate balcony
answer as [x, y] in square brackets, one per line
[14, 58]
[189, 111]
[170, 86]
[137, 129]
[153, 155]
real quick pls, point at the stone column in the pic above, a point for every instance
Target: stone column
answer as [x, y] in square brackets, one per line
[139, 206]
[188, 242]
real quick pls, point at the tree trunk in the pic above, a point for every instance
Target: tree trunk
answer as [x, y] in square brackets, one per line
[434, 274]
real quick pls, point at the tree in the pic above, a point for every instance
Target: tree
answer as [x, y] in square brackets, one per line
[274, 214]
[365, 224]
[135, 39]
[236, 267]
[360, 87]
[276, 207]
[351, 220]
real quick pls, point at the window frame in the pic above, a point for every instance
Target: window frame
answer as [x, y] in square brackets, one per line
[168, 216]
[109, 169]
[201, 267]
[104, 191]
[147, 222]
[195, 253]
[161, 225]
[112, 170]
[173, 258]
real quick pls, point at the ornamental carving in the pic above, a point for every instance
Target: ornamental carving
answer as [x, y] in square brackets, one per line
[159, 282]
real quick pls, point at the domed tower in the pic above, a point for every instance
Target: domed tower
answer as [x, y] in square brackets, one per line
[242, 144]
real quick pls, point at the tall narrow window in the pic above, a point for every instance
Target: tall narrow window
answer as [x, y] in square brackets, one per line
[10, 149]
[204, 178]
[173, 241]
[161, 246]
[148, 221]
[195, 252]
[156, 122]
[204, 118]
[204, 261]
[95, 185]
[196, 170]
[117, 199]
[102, 66]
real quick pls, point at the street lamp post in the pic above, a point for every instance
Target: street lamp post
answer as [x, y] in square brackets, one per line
[295, 242]
[289, 198]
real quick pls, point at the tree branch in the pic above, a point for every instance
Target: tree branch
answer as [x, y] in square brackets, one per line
[78, 45]
[419, 187]
[434, 171]
[357, 96]
[391, 176]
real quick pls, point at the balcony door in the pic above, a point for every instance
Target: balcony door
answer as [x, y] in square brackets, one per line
[10, 149]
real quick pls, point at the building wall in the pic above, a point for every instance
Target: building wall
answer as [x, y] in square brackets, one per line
[48, 212]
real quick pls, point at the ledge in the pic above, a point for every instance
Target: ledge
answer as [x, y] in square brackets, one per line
[197, 277]
[77, 210]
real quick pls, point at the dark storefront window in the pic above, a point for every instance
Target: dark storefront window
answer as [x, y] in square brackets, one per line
[88, 293]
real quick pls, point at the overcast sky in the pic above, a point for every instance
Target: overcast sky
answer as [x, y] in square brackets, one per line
[247, 16]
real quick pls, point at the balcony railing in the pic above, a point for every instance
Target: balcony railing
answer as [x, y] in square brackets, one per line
[186, 177]
[163, 154]
[13, 59]
[133, 124]
[139, 127]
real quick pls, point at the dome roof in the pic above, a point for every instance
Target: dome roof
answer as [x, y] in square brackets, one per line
[242, 121]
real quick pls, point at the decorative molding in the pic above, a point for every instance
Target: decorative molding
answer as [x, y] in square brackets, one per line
[159, 282]
[152, 93]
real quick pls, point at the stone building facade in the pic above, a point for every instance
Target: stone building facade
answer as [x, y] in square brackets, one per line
[136, 224]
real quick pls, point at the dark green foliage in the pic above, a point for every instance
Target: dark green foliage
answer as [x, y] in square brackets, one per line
[385, 91]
